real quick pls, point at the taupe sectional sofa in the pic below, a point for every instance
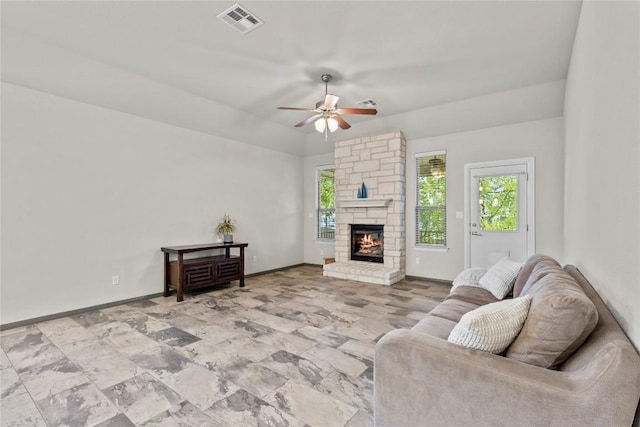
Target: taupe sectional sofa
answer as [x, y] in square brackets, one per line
[570, 365]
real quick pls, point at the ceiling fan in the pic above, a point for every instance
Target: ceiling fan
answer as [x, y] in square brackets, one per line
[327, 114]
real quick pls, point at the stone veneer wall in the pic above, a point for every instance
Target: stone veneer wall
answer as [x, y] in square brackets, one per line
[379, 162]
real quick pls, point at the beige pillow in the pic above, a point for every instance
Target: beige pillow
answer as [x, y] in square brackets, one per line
[491, 327]
[527, 269]
[560, 319]
[500, 278]
[468, 277]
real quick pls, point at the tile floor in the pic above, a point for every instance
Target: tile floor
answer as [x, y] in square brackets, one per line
[292, 348]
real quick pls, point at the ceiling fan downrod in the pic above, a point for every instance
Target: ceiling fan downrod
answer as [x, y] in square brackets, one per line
[326, 78]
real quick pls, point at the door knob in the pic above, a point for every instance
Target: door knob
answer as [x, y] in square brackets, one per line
[475, 233]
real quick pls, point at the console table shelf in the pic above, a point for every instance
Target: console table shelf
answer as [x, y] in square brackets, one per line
[195, 273]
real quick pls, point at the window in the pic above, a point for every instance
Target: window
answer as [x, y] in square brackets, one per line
[431, 209]
[326, 203]
[498, 203]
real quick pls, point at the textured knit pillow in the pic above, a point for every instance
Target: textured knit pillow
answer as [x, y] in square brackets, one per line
[492, 327]
[500, 278]
[468, 277]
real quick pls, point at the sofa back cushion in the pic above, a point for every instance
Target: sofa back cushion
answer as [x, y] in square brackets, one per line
[560, 319]
[524, 276]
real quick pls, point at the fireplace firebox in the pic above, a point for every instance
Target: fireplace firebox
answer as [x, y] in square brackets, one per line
[367, 242]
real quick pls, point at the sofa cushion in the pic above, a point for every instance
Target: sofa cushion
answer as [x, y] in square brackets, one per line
[468, 277]
[435, 326]
[453, 309]
[525, 272]
[474, 295]
[491, 327]
[543, 268]
[560, 319]
[500, 277]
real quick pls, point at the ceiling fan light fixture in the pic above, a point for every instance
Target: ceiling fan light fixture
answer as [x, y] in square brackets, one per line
[332, 124]
[320, 125]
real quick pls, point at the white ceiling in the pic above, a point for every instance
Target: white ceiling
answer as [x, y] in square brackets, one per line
[175, 62]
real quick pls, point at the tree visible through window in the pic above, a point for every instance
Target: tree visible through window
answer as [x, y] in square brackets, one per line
[431, 209]
[326, 204]
[498, 203]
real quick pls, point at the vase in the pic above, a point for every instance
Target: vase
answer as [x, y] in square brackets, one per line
[227, 238]
[364, 191]
[360, 193]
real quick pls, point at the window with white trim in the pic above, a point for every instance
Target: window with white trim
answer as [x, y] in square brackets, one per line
[431, 199]
[325, 203]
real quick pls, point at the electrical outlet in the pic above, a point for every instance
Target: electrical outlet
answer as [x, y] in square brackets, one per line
[255, 258]
[115, 280]
[417, 260]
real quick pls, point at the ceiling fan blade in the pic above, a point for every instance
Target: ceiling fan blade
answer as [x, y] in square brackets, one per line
[330, 101]
[357, 111]
[341, 122]
[296, 108]
[308, 120]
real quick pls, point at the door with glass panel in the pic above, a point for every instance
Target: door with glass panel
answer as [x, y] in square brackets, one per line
[500, 218]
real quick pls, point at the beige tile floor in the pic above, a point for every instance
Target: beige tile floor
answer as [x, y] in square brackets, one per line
[292, 348]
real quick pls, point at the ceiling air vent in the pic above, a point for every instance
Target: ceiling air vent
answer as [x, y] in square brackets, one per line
[239, 17]
[367, 103]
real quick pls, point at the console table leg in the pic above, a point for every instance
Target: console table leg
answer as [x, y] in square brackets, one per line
[241, 267]
[180, 276]
[166, 275]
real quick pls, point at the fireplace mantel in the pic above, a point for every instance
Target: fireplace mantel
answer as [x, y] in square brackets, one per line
[364, 203]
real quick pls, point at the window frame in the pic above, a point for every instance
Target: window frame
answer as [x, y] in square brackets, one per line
[418, 208]
[319, 210]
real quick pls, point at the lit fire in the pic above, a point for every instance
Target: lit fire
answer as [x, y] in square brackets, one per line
[369, 245]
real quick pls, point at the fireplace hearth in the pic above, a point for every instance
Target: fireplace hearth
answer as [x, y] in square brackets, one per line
[367, 243]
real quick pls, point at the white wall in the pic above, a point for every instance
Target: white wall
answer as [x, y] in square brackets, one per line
[602, 191]
[541, 139]
[88, 193]
[314, 250]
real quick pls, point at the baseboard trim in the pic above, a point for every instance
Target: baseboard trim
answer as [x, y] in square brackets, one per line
[54, 316]
[427, 279]
[275, 270]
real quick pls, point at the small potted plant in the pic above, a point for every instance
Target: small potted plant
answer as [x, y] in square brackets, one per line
[225, 228]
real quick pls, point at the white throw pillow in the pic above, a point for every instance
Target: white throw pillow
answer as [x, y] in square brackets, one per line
[468, 277]
[500, 278]
[492, 327]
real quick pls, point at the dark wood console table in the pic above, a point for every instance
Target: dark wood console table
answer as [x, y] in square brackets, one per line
[185, 275]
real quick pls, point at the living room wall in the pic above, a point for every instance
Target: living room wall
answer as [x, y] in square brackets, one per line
[88, 193]
[602, 178]
[541, 139]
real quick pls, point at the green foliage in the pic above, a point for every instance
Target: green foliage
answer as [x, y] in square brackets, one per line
[431, 226]
[432, 191]
[431, 210]
[498, 203]
[326, 208]
[226, 225]
[327, 189]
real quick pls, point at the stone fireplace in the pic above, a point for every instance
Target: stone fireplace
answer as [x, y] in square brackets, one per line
[379, 163]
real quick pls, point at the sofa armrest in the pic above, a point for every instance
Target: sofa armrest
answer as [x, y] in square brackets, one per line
[424, 380]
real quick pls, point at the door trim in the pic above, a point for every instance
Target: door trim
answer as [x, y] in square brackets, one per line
[529, 162]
